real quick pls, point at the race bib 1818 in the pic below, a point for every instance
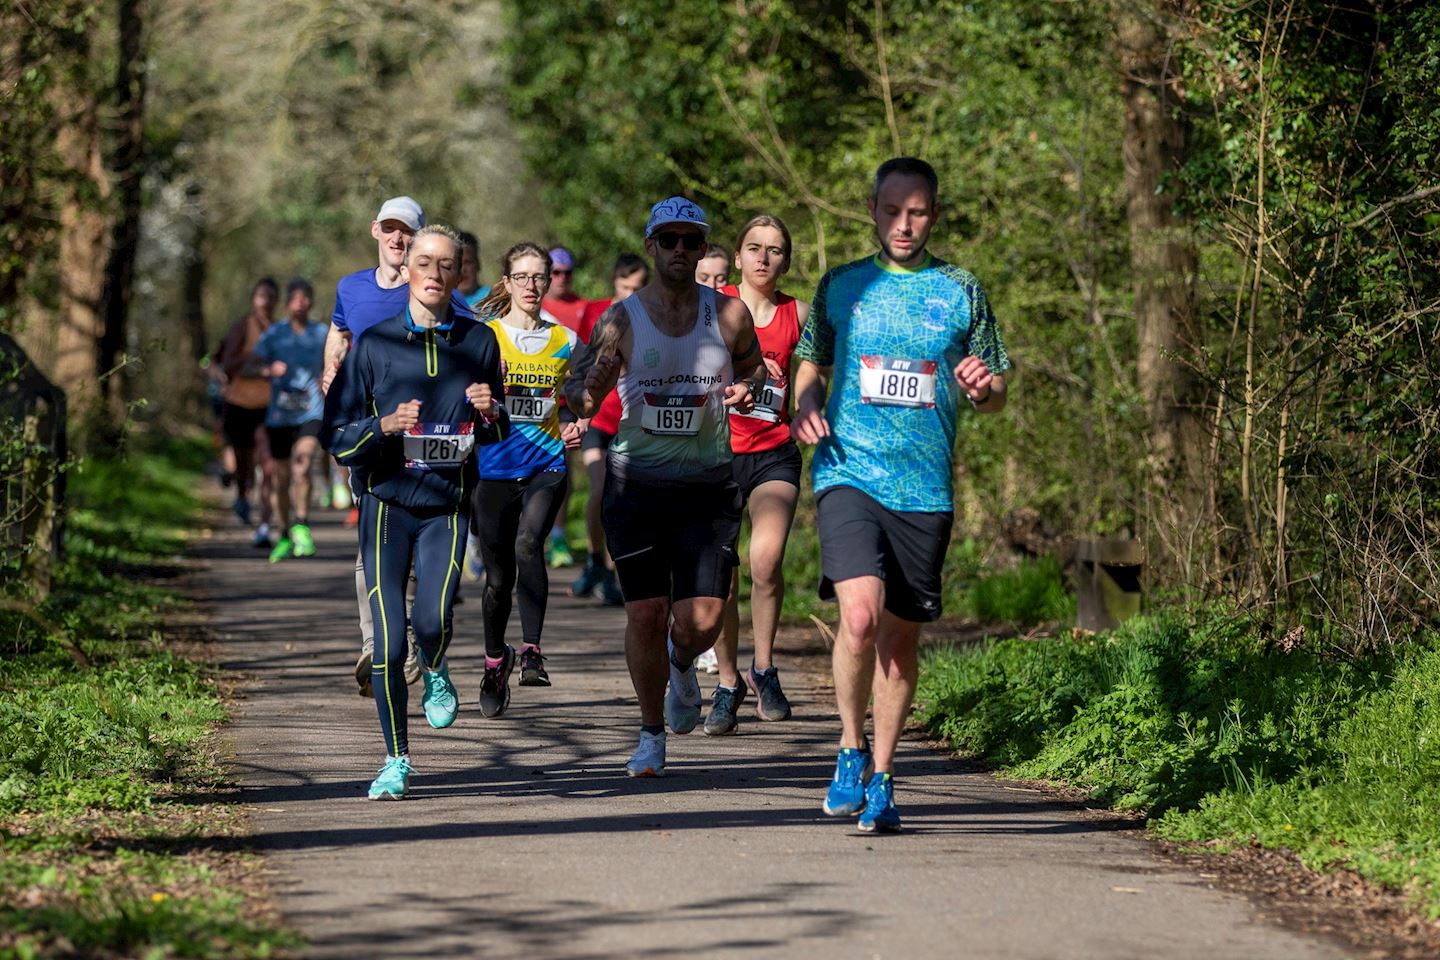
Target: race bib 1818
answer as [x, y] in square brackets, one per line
[894, 382]
[431, 445]
[678, 416]
[529, 404]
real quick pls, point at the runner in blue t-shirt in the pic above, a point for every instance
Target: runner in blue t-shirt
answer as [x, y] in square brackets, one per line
[470, 286]
[363, 299]
[294, 353]
[899, 338]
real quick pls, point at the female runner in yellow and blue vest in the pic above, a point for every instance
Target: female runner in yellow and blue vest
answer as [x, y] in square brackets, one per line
[522, 480]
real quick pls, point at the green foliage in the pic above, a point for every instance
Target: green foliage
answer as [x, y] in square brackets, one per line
[1216, 733]
[163, 906]
[91, 755]
[1033, 592]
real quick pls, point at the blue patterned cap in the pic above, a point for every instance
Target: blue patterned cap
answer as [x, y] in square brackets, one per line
[676, 210]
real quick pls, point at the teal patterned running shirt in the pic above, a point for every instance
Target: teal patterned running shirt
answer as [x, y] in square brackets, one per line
[893, 336]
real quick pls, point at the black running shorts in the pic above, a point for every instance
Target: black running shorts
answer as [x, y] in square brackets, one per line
[861, 538]
[672, 540]
[240, 425]
[282, 439]
[752, 469]
[596, 439]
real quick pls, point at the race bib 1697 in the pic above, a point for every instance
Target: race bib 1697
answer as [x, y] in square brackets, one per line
[677, 416]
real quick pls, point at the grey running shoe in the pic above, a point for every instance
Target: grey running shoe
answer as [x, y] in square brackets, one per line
[364, 666]
[770, 702]
[724, 707]
[412, 657]
[610, 593]
[495, 685]
[682, 698]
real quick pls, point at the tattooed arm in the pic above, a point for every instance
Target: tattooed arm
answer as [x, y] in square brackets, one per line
[596, 368]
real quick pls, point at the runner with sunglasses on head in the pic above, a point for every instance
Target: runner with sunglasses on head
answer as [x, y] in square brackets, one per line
[902, 338]
[565, 305]
[522, 480]
[407, 409]
[682, 357]
[767, 467]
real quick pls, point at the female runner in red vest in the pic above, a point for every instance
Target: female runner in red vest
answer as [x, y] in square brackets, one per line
[767, 466]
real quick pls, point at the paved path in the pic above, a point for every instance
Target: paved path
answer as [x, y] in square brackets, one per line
[525, 839]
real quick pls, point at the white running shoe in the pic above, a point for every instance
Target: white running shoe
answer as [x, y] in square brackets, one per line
[708, 662]
[648, 760]
[682, 698]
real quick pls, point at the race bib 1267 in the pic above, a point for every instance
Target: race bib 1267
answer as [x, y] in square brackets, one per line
[896, 382]
[431, 445]
[676, 416]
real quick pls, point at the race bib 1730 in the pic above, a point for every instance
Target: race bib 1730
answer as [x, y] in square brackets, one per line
[529, 404]
[432, 445]
[894, 382]
[678, 416]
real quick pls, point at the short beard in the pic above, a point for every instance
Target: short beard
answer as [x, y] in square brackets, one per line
[914, 257]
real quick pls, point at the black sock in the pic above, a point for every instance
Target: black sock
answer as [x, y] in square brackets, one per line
[682, 667]
[597, 559]
[654, 729]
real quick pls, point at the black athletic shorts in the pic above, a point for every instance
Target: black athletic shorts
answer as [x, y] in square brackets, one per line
[752, 469]
[240, 425]
[861, 538]
[282, 439]
[596, 439]
[672, 540]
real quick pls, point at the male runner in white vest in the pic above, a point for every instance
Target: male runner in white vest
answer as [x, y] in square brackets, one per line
[683, 356]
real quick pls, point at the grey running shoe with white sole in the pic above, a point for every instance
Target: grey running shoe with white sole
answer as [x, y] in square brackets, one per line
[682, 698]
[724, 710]
[770, 701]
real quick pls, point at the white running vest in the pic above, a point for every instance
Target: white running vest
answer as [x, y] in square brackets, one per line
[674, 426]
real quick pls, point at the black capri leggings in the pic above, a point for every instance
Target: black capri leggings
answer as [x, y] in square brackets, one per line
[512, 518]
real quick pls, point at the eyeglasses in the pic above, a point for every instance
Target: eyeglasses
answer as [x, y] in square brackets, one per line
[690, 241]
[529, 279]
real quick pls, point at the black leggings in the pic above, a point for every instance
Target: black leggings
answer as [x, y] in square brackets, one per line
[513, 518]
[390, 535]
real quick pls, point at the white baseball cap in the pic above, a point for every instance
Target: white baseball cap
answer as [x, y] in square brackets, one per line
[404, 209]
[676, 210]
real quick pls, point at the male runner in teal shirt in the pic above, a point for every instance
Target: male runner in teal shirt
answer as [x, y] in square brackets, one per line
[900, 338]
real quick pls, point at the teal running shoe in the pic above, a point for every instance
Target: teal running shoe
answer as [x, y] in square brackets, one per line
[439, 700]
[393, 781]
[880, 815]
[847, 789]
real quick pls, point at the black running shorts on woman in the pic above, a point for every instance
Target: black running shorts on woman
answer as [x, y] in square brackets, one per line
[860, 538]
[782, 463]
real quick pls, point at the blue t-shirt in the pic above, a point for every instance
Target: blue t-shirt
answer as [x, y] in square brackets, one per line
[295, 397]
[480, 294]
[893, 336]
[360, 303]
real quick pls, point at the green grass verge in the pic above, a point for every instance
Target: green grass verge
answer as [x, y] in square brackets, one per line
[98, 852]
[1217, 735]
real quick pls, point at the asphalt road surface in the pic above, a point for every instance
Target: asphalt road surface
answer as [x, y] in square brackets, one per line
[522, 837]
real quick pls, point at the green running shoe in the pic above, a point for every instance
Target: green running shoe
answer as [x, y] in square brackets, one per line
[393, 781]
[283, 550]
[439, 700]
[557, 553]
[304, 543]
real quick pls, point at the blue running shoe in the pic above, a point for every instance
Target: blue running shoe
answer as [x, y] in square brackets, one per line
[847, 789]
[393, 781]
[880, 815]
[439, 700]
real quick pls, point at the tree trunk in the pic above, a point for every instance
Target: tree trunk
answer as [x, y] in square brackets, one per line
[192, 297]
[1162, 256]
[127, 168]
[84, 237]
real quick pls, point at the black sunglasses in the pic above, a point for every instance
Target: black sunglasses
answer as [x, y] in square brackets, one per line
[690, 241]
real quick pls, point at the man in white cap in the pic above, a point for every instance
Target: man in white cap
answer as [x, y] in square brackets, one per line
[682, 356]
[363, 299]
